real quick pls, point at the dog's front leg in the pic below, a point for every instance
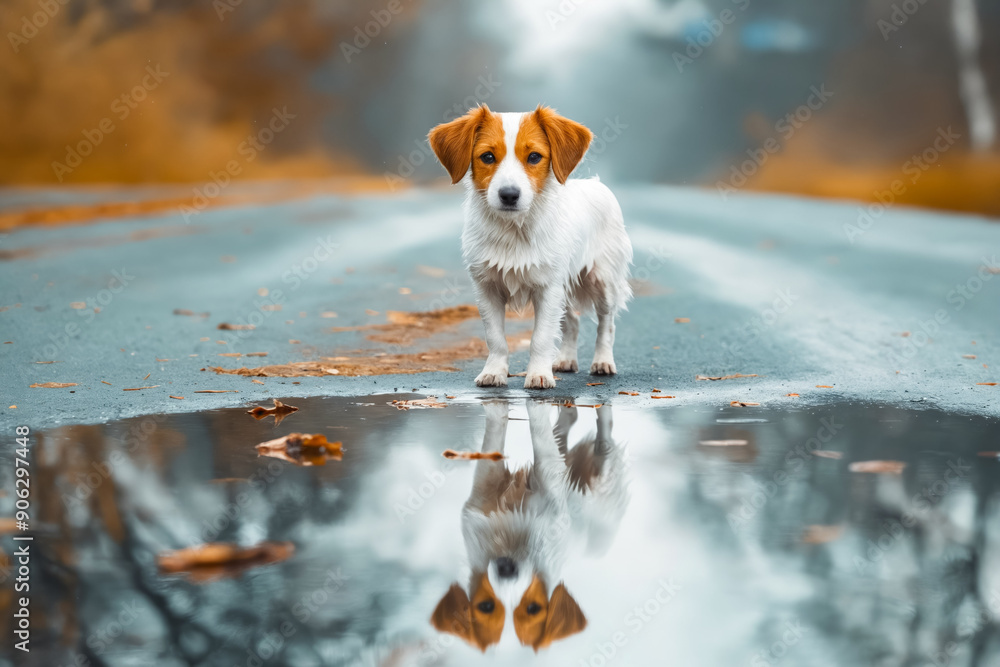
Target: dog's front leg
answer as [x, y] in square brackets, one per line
[492, 310]
[548, 302]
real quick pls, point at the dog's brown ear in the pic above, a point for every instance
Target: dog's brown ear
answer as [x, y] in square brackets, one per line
[565, 617]
[452, 142]
[453, 614]
[568, 140]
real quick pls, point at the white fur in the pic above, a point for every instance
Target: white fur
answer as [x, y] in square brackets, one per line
[564, 249]
[537, 534]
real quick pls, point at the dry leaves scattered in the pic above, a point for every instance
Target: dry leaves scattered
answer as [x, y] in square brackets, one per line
[472, 456]
[279, 411]
[304, 449]
[420, 403]
[212, 561]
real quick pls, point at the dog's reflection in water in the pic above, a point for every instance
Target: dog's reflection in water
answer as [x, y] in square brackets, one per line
[519, 525]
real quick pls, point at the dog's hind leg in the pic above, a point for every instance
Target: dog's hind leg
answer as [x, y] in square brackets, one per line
[607, 309]
[566, 359]
[604, 440]
[565, 421]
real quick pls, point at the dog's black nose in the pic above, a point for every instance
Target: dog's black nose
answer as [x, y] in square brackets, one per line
[509, 196]
[506, 568]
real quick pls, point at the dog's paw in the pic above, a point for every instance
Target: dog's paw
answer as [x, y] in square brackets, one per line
[539, 381]
[603, 367]
[566, 366]
[491, 378]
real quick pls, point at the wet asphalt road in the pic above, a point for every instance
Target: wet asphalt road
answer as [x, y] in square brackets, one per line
[890, 310]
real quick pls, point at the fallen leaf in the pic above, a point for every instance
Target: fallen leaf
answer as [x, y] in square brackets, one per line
[271, 307]
[571, 404]
[147, 375]
[188, 313]
[263, 291]
[429, 402]
[723, 443]
[828, 454]
[655, 390]
[279, 411]
[905, 334]
[230, 354]
[256, 381]
[821, 534]
[682, 320]
[47, 362]
[405, 290]
[303, 449]
[449, 397]
[78, 305]
[968, 356]
[472, 456]
[792, 395]
[256, 354]
[52, 385]
[629, 393]
[212, 561]
[661, 396]
[742, 404]
[217, 391]
[163, 360]
[987, 384]
[824, 386]
[179, 398]
[594, 384]
[294, 341]
[107, 383]
[887, 467]
[225, 326]
[370, 312]
[138, 388]
[328, 314]
[725, 377]
[12, 407]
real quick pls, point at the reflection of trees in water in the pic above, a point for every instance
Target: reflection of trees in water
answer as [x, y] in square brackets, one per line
[98, 552]
[916, 564]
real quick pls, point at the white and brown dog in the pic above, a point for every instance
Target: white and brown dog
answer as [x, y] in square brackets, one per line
[519, 526]
[532, 235]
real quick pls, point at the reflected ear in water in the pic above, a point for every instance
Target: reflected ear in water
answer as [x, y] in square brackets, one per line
[478, 621]
[539, 622]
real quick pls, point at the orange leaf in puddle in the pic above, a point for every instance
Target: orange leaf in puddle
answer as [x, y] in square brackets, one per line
[429, 402]
[304, 449]
[52, 385]
[472, 456]
[215, 560]
[661, 396]
[279, 411]
[821, 534]
[742, 404]
[824, 386]
[887, 467]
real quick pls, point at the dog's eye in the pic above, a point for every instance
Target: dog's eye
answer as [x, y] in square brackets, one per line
[533, 608]
[486, 606]
[534, 158]
[488, 157]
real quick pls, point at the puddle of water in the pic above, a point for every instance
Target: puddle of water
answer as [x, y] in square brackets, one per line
[607, 536]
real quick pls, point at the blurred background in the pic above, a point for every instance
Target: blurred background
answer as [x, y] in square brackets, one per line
[859, 99]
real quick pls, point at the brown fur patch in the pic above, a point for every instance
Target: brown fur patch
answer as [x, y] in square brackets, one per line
[531, 138]
[489, 138]
[568, 140]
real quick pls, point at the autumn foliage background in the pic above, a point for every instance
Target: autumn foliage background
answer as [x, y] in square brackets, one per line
[362, 106]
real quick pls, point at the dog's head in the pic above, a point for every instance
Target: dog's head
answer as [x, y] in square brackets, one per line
[539, 618]
[511, 154]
